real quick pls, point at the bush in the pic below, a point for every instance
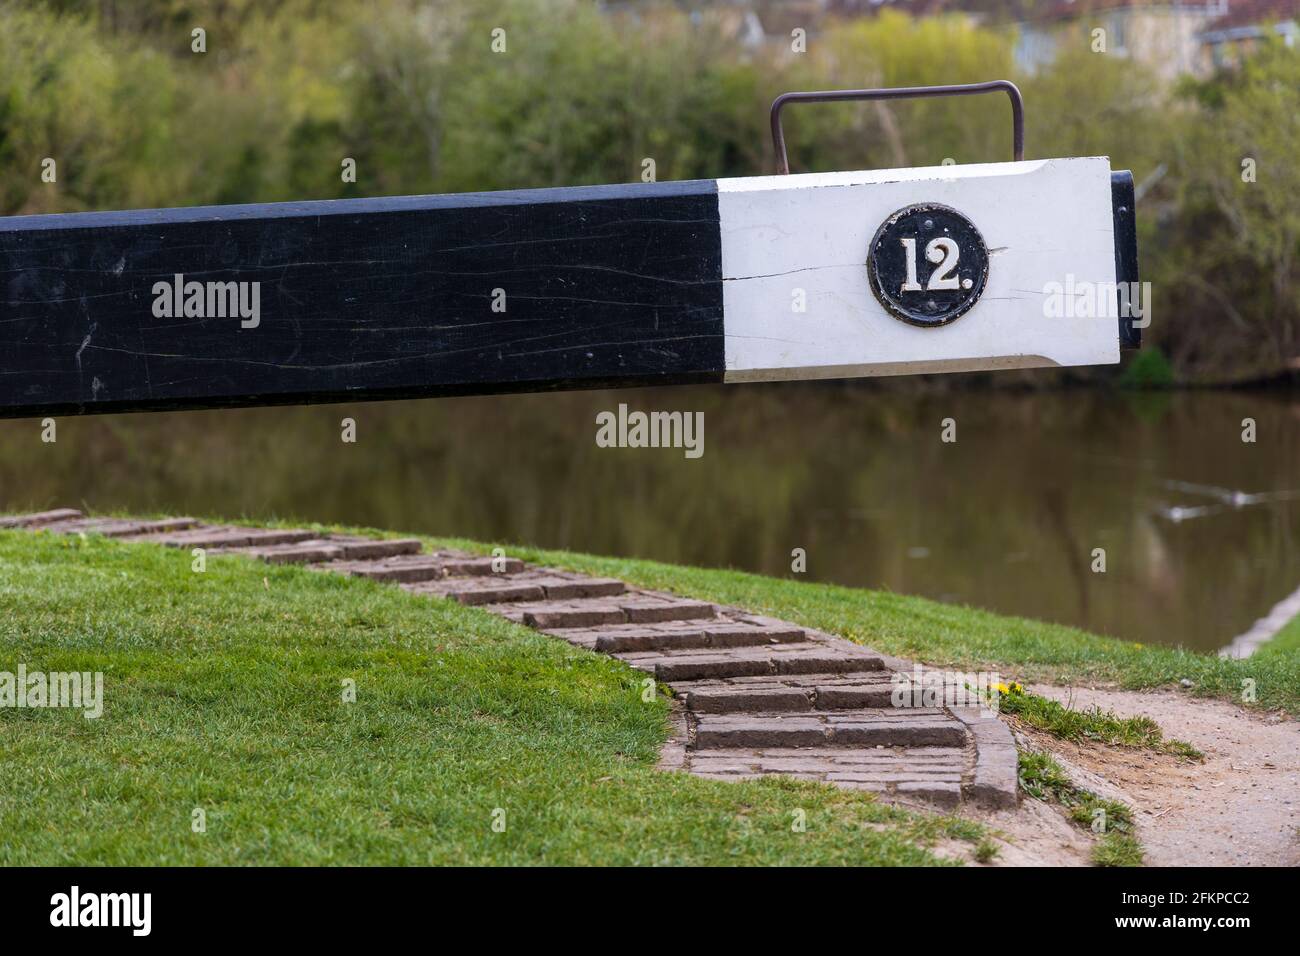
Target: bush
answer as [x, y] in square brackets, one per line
[1148, 369]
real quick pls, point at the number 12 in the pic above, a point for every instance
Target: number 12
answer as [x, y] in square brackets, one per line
[944, 253]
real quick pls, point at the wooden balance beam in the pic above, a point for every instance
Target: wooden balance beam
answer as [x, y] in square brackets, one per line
[832, 275]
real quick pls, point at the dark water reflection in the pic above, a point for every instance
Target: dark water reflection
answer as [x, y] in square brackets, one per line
[1006, 518]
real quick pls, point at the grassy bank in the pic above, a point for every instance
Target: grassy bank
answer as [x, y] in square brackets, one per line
[951, 635]
[223, 692]
[1284, 642]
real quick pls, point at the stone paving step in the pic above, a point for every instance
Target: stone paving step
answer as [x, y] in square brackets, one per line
[647, 608]
[212, 538]
[331, 548]
[871, 728]
[120, 527]
[153, 527]
[39, 519]
[888, 763]
[407, 568]
[478, 590]
[814, 692]
[368, 548]
[398, 570]
[805, 658]
[567, 588]
[586, 637]
[299, 552]
[724, 634]
[839, 755]
[524, 587]
[930, 774]
[633, 608]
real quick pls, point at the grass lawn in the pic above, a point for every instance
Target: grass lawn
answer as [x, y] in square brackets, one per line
[223, 692]
[1285, 641]
[951, 635]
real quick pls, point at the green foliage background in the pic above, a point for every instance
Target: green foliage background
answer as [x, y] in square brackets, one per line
[414, 93]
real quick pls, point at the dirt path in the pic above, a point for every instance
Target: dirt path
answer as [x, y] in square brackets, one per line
[1241, 807]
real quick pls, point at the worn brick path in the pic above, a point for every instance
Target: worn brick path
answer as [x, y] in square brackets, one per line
[755, 695]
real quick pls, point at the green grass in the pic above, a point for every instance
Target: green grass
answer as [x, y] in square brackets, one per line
[223, 691]
[986, 851]
[949, 635]
[1117, 849]
[1043, 779]
[1285, 641]
[944, 635]
[1096, 725]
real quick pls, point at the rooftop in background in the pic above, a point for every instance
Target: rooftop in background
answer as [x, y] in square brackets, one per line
[1243, 13]
[1173, 37]
[774, 13]
[1235, 12]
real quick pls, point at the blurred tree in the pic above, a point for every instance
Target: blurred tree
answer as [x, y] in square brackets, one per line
[1231, 243]
[892, 49]
[416, 94]
[579, 97]
[400, 74]
[1090, 104]
[104, 116]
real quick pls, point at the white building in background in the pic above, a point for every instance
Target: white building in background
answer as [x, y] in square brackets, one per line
[1246, 23]
[1164, 36]
[1172, 37]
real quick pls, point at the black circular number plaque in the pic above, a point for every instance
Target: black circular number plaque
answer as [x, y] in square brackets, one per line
[927, 264]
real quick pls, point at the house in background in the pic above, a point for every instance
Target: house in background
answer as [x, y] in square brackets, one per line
[1164, 36]
[1171, 37]
[1226, 40]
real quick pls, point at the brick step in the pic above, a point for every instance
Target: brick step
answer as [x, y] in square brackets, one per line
[477, 591]
[874, 769]
[806, 658]
[119, 527]
[889, 762]
[633, 608]
[756, 694]
[905, 773]
[527, 586]
[724, 634]
[399, 570]
[371, 548]
[331, 548]
[409, 568]
[300, 552]
[149, 527]
[228, 537]
[870, 728]
[39, 519]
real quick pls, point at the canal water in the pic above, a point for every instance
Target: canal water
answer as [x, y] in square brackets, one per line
[1200, 530]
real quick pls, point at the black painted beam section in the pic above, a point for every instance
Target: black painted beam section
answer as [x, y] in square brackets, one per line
[1124, 210]
[360, 299]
